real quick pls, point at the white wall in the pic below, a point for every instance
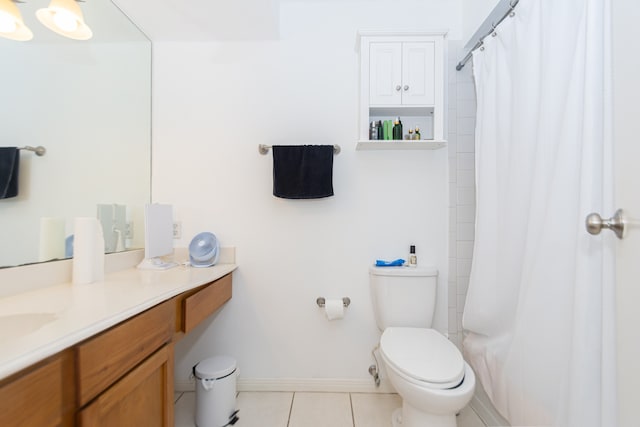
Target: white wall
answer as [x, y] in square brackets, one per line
[214, 102]
[474, 13]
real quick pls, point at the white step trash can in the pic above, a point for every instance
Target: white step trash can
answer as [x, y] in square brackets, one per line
[216, 392]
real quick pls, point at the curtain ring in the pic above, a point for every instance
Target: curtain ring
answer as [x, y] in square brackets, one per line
[493, 31]
[512, 6]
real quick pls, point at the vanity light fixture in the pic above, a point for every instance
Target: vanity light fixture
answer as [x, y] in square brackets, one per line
[11, 23]
[64, 17]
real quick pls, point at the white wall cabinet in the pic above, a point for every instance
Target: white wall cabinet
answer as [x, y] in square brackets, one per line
[402, 75]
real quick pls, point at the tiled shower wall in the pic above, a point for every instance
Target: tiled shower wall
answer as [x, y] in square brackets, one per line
[462, 195]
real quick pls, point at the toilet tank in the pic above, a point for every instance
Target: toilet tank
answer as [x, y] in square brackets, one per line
[403, 296]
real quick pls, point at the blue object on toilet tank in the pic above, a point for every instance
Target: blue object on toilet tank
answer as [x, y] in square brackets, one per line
[396, 263]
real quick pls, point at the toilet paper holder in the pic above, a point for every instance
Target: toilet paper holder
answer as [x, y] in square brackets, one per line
[321, 301]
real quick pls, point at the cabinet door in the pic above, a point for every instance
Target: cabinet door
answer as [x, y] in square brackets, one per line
[385, 73]
[418, 73]
[40, 396]
[143, 397]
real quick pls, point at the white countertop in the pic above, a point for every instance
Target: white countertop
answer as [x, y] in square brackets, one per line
[40, 323]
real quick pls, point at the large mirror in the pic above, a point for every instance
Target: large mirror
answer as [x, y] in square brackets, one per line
[89, 104]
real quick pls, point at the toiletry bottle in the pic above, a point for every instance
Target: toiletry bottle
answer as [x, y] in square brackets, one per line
[373, 132]
[397, 129]
[413, 260]
[417, 134]
[409, 136]
[380, 130]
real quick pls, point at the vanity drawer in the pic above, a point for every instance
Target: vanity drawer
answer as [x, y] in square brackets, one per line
[193, 307]
[102, 360]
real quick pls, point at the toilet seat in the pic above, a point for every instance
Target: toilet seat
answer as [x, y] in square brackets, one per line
[424, 356]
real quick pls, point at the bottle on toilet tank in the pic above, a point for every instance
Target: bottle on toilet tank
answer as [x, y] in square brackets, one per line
[413, 259]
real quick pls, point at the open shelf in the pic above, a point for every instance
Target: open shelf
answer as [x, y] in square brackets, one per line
[400, 145]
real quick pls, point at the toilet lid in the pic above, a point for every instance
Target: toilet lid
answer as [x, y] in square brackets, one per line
[424, 355]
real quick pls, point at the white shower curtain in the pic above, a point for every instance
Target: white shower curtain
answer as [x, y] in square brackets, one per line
[539, 309]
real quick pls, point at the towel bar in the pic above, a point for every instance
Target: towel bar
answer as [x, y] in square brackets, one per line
[39, 150]
[264, 149]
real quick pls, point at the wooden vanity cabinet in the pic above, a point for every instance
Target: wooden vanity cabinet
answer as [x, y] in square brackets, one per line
[120, 377]
[127, 372]
[105, 358]
[125, 375]
[143, 397]
[41, 395]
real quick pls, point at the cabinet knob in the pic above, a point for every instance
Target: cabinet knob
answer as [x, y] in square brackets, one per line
[398, 87]
[406, 87]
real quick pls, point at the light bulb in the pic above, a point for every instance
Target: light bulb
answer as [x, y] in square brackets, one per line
[66, 21]
[64, 17]
[7, 23]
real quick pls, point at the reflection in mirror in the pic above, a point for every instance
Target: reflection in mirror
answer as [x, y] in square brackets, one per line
[89, 104]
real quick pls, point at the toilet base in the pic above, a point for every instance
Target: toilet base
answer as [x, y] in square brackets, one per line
[396, 418]
[408, 416]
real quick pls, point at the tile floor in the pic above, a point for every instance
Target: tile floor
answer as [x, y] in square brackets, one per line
[282, 409]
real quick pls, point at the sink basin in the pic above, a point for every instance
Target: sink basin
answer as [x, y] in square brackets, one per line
[13, 326]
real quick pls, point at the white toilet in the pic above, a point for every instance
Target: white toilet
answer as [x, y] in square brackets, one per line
[425, 368]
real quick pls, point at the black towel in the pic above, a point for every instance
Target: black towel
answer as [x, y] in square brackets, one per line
[9, 169]
[302, 171]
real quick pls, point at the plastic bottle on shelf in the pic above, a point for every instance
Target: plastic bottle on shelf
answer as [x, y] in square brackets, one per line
[388, 127]
[379, 130]
[409, 136]
[373, 132]
[417, 133]
[397, 129]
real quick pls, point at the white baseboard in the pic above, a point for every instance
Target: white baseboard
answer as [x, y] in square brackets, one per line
[330, 385]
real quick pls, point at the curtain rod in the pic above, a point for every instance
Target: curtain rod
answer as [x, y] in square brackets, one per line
[463, 62]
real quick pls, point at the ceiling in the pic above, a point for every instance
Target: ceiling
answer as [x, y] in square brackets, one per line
[180, 20]
[205, 20]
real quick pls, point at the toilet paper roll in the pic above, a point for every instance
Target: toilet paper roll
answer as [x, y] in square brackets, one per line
[334, 309]
[51, 239]
[88, 251]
